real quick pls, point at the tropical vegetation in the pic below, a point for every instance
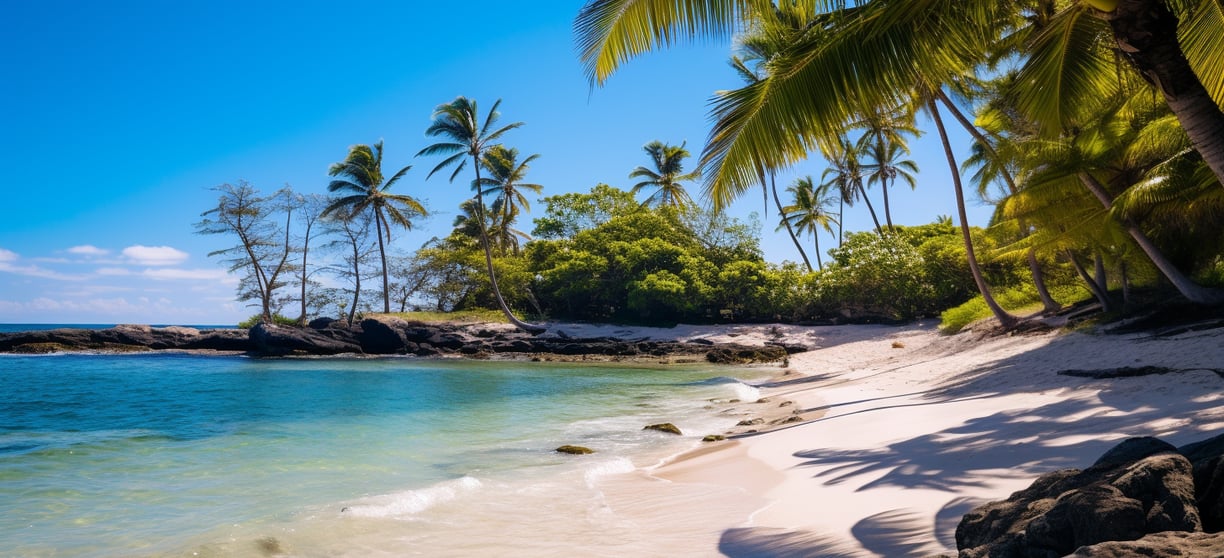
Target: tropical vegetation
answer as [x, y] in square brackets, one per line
[1097, 136]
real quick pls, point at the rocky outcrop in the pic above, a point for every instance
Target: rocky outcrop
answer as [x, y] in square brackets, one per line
[387, 336]
[665, 427]
[1140, 491]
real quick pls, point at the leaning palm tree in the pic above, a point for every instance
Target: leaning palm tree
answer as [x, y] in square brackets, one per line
[810, 210]
[359, 176]
[666, 176]
[506, 182]
[845, 172]
[468, 139]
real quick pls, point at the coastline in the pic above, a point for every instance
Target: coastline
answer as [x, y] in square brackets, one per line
[905, 430]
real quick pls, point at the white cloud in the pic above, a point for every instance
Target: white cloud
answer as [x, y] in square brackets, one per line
[113, 271]
[7, 255]
[188, 274]
[33, 270]
[88, 250]
[154, 255]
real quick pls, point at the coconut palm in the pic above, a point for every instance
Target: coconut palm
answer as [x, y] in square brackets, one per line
[506, 183]
[666, 176]
[883, 143]
[466, 138]
[872, 53]
[809, 212]
[845, 173]
[359, 178]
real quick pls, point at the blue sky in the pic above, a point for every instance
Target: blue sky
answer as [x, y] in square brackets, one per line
[116, 119]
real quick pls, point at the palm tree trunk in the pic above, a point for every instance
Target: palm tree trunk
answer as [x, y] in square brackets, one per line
[841, 208]
[1097, 290]
[1005, 319]
[789, 230]
[1047, 301]
[1146, 33]
[1098, 271]
[887, 212]
[874, 219]
[382, 253]
[816, 241]
[484, 241]
[1189, 289]
[356, 283]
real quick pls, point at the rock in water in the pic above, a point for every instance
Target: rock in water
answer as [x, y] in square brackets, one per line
[574, 450]
[664, 427]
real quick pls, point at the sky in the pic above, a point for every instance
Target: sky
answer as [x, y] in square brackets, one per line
[118, 118]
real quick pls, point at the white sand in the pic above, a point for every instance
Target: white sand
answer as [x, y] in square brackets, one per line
[906, 429]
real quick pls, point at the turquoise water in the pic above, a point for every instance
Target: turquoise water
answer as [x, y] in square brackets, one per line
[150, 455]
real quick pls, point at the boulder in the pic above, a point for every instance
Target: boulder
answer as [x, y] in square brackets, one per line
[739, 354]
[384, 336]
[574, 450]
[1169, 544]
[664, 427]
[277, 340]
[1139, 487]
[1207, 457]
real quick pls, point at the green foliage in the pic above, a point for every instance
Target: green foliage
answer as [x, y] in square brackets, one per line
[258, 319]
[568, 214]
[1024, 297]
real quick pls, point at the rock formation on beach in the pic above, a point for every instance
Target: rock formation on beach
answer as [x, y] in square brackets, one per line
[389, 336]
[1144, 497]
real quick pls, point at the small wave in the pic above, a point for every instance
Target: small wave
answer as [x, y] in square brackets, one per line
[412, 502]
[617, 466]
[715, 381]
[745, 392]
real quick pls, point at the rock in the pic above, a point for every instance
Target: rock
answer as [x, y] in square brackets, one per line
[1168, 544]
[750, 422]
[664, 427]
[713, 438]
[1207, 457]
[574, 450]
[1139, 487]
[383, 336]
[739, 354]
[276, 340]
[321, 323]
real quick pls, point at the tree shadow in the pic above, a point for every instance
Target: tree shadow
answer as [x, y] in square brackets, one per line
[766, 542]
[896, 532]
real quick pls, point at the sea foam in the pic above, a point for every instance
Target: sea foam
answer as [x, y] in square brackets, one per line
[407, 503]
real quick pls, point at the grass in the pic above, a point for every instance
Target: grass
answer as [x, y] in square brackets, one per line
[1023, 300]
[460, 317]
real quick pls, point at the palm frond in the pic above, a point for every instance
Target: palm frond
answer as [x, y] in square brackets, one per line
[1071, 62]
[1201, 32]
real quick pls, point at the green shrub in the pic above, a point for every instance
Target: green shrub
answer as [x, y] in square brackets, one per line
[276, 319]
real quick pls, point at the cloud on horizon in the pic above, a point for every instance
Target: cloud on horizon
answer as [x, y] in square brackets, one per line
[88, 250]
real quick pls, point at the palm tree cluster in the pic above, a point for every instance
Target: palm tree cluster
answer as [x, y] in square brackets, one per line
[1096, 116]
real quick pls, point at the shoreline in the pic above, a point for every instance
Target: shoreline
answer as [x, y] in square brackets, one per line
[906, 430]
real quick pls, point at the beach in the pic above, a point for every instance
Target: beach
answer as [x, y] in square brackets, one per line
[905, 429]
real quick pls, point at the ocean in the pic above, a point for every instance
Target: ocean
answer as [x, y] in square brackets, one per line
[186, 455]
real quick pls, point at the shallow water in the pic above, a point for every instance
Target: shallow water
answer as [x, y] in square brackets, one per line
[150, 455]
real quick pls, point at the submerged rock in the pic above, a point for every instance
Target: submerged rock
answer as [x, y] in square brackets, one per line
[574, 450]
[664, 427]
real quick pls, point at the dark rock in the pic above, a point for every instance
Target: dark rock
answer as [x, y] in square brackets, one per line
[383, 336]
[664, 427]
[1168, 544]
[1123, 372]
[701, 341]
[1207, 457]
[276, 340]
[1139, 487]
[320, 323]
[714, 438]
[750, 422]
[574, 450]
[790, 348]
[738, 354]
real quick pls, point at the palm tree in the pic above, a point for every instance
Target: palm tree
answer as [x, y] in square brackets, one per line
[668, 173]
[883, 142]
[359, 176]
[845, 173]
[506, 182]
[872, 53]
[810, 212]
[459, 122]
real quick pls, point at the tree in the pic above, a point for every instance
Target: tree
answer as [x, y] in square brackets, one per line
[565, 215]
[352, 241]
[263, 243]
[311, 209]
[360, 177]
[845, 173]
[809, 212]
[666, 176]
[883, 142]
[459, 122]
[505, 181]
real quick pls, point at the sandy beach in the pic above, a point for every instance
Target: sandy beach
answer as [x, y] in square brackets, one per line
[905, 429]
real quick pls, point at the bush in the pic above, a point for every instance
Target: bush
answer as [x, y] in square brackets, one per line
[276, 319]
